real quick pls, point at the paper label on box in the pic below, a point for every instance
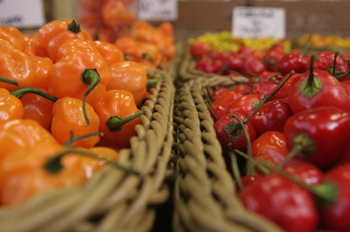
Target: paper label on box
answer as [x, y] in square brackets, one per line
[258, 22]
[157, 10]
[22, 13]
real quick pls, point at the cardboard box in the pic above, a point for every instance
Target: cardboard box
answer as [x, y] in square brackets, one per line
[307, 16]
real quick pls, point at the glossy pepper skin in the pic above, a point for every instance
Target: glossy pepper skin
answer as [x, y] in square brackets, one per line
[315, 89]
[66, 77]
[11, 107]
[15, 65]
[71, 45]
[119, 103]
[92, 165]
[111, 53]
[41, 66]
[22, 133]
[12, 35]
[38, 108]
[67, 116]
[260, 197]
[290, 62]
[130, 76]
[23, 175]
[321, 134]
[52, 35]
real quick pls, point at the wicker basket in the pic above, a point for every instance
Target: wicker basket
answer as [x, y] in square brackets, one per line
[112, 200]
[204, 194]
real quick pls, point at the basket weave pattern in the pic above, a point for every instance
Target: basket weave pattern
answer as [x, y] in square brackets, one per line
[116, 201]
[205, 196]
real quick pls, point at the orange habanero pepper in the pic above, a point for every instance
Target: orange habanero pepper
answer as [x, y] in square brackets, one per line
[41, 66]
[12, 35]
[115, 109]
[38, 108]
[25, 173]
[15, 65]
[82, 74]
[68, 116]
[115, 13]
[71, 45]
[92, 165]
[11, 106]
[111, 53]
[130, 76]
[22, 133]
[52, 35]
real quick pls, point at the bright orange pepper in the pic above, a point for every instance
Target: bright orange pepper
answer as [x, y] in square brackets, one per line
[41, 66]
[109, 52]
[26, 38]
[38, 108]
[52, 35]
[23, 173]
[22, 133]
[68, 116]
[115, 13]
[71, 45]
[12, 35]
[15, 65]
[130, 76]
[78, 72]
[113, 106]
[92, 164]
[11, 107]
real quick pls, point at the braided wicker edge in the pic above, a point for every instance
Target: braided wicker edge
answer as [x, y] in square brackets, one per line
[121, 202]
[204, 194]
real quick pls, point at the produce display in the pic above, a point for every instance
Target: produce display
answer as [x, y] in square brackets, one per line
[288, 123]
[79, 96]
[66, 96]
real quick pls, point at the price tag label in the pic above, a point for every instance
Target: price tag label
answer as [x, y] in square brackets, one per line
[157, 10]
[258, 22]
[22, 13]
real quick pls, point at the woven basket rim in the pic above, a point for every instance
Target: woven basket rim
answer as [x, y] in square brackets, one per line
[205, 197]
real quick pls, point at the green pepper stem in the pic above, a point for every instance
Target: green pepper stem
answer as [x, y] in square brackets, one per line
[326, 192]
[9, 81]
[19, 93]
[235, 170]
[250, 167]
[272, 76]
[151, 81]
[266, 99]
[306, 46]
[73, 139]
[53, 164]
[335, 62]
[257, 164]
[310, 79]
[74, 27]
[92, 78]
[211, 111]
[296, 149]
[207, 95]
[115, 123]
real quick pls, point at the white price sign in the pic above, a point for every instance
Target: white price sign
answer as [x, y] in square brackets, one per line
[22, 13]
[157, 10]
[258, 22]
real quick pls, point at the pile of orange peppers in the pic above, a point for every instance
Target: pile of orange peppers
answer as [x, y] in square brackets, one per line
[66, 98]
